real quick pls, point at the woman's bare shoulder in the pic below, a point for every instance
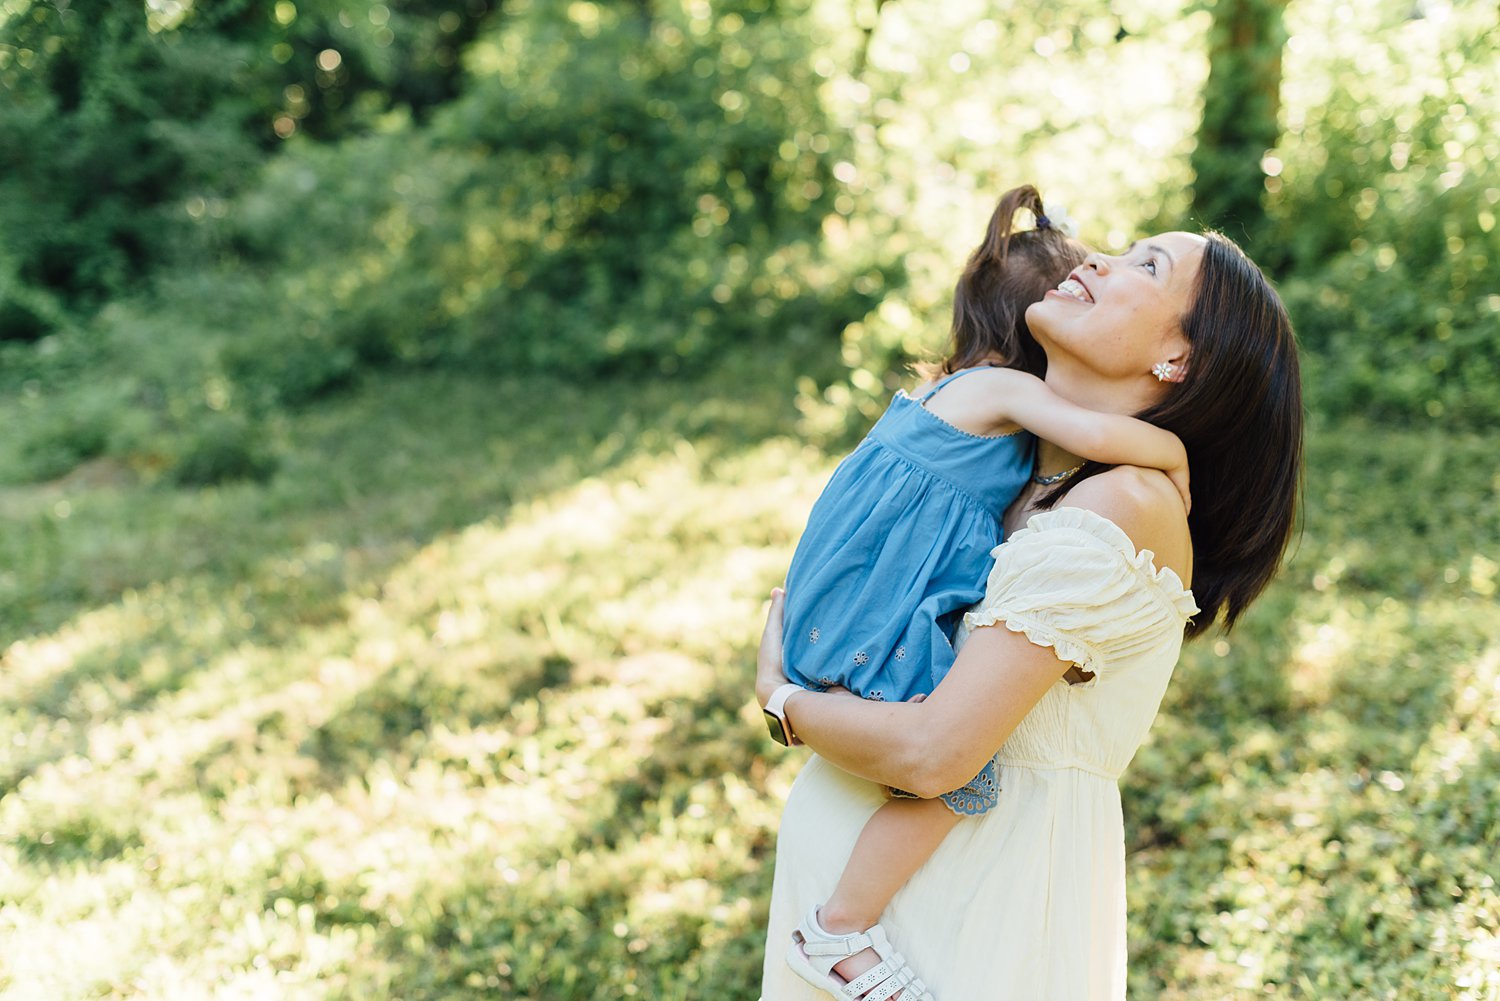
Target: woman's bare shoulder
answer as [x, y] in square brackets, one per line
[1146, 506]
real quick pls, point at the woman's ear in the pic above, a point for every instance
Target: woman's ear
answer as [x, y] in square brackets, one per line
[1171, 371]
[1180, 358]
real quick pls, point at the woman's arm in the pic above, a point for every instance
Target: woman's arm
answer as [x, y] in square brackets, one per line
[928, 747]
[937, 745]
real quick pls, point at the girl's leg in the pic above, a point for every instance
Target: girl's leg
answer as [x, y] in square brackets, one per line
[894, 844]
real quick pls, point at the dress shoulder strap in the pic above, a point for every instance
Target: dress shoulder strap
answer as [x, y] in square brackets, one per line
[949, 378]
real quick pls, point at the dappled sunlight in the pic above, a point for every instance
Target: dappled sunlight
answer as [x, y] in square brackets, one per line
[1301, 847]
[1319, 656]
[1347, 815]
[533, 736]
[29, 665]
[981, 92]
[473, 714]
[1460, 743]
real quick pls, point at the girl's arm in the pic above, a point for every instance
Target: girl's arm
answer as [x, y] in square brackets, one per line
[1110, 438]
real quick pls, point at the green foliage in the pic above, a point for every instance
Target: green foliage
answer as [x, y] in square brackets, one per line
[103, 119]
[129, 122]
[1241, 101]
[1384, 211]
[613, 191]
[223, 448]
[68, 434]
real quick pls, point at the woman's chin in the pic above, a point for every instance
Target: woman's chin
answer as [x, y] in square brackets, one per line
[1047, 315]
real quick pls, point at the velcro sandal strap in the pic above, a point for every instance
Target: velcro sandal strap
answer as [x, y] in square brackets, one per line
[843, 946]
[820, 942]
[880, 941]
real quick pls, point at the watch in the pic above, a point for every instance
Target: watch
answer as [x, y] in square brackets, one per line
[776, 721]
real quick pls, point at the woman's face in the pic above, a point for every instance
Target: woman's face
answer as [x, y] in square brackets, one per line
[1117, 316]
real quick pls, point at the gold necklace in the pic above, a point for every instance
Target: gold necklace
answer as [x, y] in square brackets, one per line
[1047, 481]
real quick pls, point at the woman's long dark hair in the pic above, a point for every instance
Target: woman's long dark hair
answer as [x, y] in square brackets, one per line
[1238, 411]
[1006, 273]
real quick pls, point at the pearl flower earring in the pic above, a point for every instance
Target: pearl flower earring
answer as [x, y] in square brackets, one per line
[1162, 370]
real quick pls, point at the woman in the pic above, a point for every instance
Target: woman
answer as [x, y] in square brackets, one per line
[1062, 666]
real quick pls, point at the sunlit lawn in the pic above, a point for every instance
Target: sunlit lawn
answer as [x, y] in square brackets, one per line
[457, 705]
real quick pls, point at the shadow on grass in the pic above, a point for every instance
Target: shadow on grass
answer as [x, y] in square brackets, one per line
[647, 890]
[179, 579]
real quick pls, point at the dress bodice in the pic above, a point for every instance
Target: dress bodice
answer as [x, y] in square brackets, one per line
[1072, 580]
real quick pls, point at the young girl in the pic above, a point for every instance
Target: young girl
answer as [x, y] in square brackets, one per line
[898, 547]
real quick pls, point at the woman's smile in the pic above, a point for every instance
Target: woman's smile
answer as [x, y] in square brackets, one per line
[1073, 287]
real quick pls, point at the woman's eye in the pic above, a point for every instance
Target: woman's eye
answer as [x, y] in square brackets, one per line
[1150, 265]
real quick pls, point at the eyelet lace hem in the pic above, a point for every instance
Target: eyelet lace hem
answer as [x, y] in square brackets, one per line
[978, 795]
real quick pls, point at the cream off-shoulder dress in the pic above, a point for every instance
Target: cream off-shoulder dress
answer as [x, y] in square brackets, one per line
[1027, 902]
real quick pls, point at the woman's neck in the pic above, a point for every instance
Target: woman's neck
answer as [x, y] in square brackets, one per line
[1106, 394]
[1054, 460]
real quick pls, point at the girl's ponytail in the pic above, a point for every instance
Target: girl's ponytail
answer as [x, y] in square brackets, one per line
[1002, 225]
[1007, 272]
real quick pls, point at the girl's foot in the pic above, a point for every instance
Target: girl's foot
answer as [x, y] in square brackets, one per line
[853, 965]
[861, 962]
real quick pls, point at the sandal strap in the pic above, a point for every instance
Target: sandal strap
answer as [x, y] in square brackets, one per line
[891, 985]
[825, 945]
[875, 975]
[890, 976]
[917, 991]
[843, 947]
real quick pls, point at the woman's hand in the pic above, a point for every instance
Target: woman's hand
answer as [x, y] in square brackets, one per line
[769, 671]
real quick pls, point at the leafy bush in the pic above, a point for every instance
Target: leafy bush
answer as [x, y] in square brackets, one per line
[68, 432]
[224, 448]
[1383, 211]
[127, 124]
[614, 191]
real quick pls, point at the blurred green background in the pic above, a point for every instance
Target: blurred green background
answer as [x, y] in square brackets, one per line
[408, 406]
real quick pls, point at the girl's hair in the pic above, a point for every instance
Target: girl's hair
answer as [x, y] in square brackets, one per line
[1006, 273]
[1239, 413]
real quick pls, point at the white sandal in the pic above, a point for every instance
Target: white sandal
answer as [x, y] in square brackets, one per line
[815, 952]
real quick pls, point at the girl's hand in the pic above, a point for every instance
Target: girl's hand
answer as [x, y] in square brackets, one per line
[1179, 477]
[769, 672]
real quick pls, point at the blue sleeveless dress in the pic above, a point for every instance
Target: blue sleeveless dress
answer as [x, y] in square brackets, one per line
[896, 549]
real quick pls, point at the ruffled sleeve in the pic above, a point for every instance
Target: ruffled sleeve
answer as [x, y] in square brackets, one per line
[1072, 580]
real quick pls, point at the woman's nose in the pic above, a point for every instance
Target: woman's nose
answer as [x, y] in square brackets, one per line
[1099, 262]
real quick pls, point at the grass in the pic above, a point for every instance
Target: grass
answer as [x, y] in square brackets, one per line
[457, 704]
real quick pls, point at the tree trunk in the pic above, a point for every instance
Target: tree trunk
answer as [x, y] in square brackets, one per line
[862, 57]
[1241, 102]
